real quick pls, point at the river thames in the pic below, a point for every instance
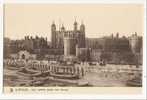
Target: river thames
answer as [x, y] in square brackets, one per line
[99, 76]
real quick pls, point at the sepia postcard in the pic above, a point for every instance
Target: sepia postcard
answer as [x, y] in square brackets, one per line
[73, 48]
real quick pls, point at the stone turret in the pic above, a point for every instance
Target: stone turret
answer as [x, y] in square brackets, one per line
[82, 27]
[53, 35]
[69, 44]
[75, 26]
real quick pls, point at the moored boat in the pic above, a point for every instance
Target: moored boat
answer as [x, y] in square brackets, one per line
[65, 76]
[137, 82]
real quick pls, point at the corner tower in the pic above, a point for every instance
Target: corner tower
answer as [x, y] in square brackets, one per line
[75, 26]
[82, 35]
[53, 35]
[82, 27]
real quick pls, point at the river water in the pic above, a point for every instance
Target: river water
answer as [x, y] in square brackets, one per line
[100, 76]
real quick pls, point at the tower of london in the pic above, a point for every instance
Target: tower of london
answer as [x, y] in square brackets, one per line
[57, 36]
[68, 39]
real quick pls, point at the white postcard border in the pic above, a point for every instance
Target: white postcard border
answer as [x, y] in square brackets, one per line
[63, 96]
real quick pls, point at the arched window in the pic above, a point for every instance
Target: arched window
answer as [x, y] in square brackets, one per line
[23, 56]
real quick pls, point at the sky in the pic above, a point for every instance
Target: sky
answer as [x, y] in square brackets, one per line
[99, 19]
